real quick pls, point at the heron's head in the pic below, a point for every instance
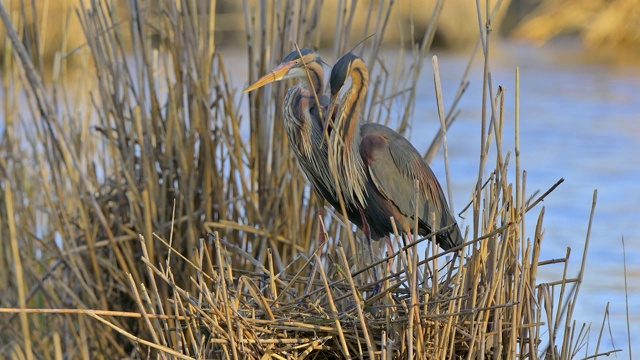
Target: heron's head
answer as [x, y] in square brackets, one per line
[292, 67]
[349, 66]
[341, 72]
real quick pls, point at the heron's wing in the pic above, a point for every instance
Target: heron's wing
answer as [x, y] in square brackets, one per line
[394, 166]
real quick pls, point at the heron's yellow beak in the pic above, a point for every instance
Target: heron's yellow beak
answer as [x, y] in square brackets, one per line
[274, 75]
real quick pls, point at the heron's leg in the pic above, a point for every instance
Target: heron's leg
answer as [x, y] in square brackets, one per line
[367, 233]
[390, 252]
[410, 238]
[323, 238]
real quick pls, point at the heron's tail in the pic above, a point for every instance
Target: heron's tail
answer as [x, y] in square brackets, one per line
[450, 239]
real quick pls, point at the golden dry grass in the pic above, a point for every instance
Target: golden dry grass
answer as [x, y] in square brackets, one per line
[143, 215]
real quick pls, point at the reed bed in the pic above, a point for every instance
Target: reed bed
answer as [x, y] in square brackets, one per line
[145, 215]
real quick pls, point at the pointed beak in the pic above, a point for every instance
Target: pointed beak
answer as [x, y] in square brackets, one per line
[274, 75]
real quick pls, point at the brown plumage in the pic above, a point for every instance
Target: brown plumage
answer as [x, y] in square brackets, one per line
[377, 167]
[305, 121]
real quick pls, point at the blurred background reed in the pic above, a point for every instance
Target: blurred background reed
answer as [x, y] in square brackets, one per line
[123, 121]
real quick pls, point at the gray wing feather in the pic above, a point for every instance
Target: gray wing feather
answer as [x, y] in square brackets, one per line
[394, 167]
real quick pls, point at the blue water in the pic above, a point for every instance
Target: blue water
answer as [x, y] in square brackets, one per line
[579, 121]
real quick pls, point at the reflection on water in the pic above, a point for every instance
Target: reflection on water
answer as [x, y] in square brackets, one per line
[581, 122]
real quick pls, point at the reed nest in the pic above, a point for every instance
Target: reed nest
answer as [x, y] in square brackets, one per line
[145, 215]
[489, 306]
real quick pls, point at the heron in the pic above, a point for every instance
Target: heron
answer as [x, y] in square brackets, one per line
[380, 173]
[306, 121]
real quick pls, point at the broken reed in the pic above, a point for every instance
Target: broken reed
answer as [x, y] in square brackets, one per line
[143, 188]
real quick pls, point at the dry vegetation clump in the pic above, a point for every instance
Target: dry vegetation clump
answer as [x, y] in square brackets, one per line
[144, 215]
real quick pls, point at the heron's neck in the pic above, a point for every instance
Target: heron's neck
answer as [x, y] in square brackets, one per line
[347, 150]
[315, 79]
[304, 118]
[353, 100]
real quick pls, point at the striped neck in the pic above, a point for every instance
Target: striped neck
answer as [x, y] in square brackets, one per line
[346, 140]
[314, 81]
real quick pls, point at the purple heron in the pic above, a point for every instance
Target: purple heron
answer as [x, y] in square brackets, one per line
[379, 170]
[305, 118]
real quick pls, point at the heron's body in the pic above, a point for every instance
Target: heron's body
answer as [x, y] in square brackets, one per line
[305, 131]
[380, 172]
[394, 166]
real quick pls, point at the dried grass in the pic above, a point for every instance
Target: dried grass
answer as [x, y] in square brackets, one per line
[143, 216]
